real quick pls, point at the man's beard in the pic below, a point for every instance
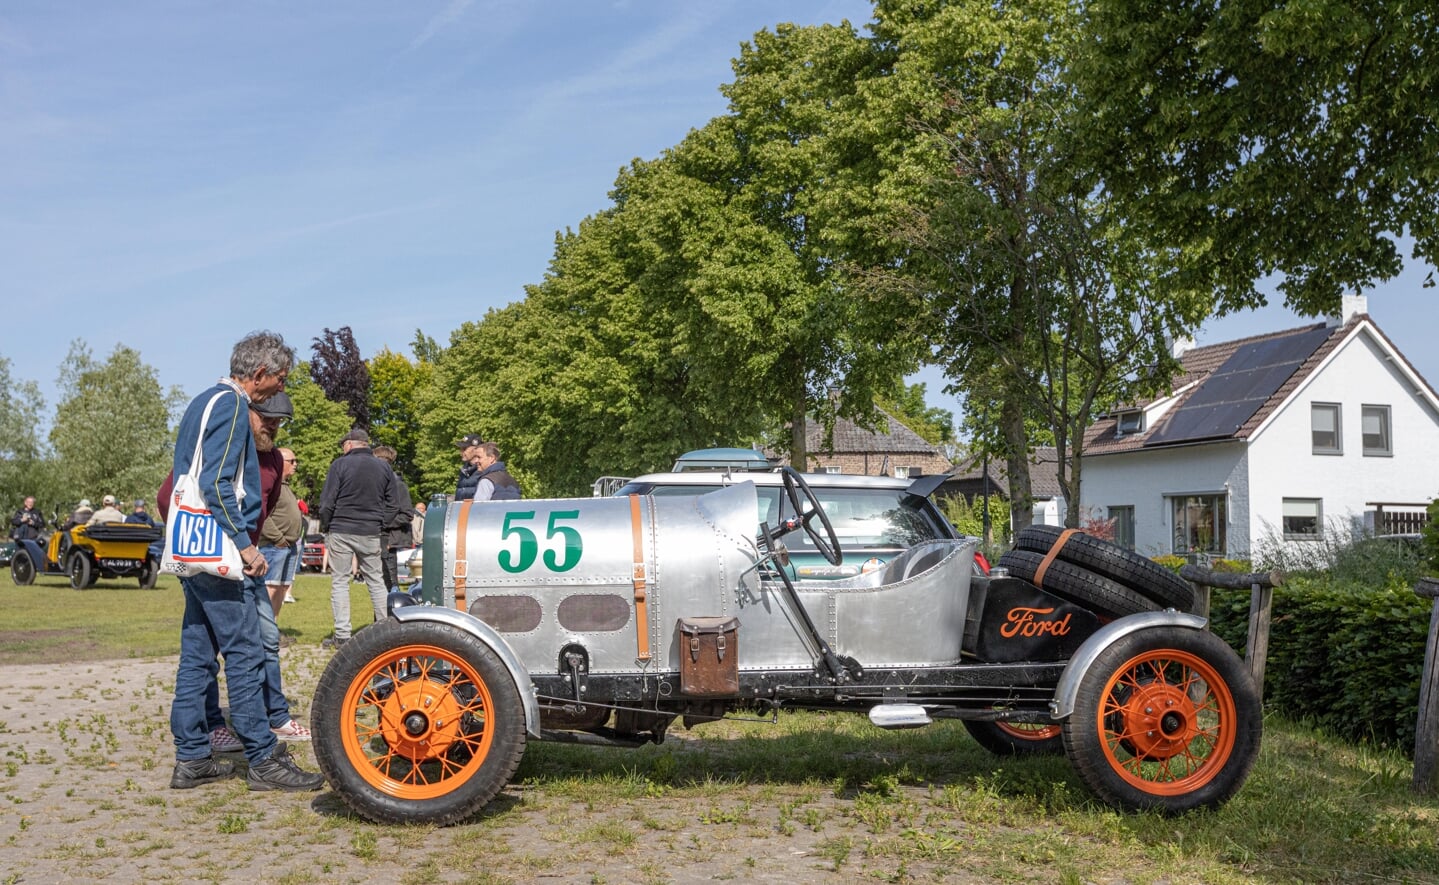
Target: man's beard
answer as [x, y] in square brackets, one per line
[264, 441]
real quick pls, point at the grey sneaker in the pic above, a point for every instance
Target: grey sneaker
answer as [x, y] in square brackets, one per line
[194, 772]
[334, 641]
[280, 772]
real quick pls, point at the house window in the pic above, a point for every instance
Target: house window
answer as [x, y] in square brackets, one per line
[1303, 519]
[831, 468]
[1375, 420]
[1129, 422]
[1200, 524]
[901, 473]
[1324, 429]
[1123, 525]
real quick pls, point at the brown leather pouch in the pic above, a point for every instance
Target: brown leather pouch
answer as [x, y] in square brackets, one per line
[709, 656]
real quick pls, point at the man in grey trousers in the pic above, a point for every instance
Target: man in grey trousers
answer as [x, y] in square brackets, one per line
[357, 501]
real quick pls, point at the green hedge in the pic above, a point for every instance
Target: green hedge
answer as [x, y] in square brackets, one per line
[1345, 658]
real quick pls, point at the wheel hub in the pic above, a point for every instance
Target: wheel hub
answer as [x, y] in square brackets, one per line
[420, 719]
[1159, 721]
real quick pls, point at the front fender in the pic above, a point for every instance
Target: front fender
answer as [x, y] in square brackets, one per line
[1064, 693]
[486, 634]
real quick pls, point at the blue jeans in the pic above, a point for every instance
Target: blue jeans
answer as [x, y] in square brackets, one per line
[277, 708]
[220, 619]
[284, 563]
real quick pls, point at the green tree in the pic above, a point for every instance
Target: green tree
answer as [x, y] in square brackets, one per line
[394, 417]
[906, 403]
[24, 469]
[1041, 308]
[313, 434]
[1261, 137]
[113, 425]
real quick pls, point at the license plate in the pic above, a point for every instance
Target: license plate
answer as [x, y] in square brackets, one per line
[110, 562]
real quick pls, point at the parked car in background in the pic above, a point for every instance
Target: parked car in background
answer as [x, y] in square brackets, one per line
[7, 550]
[875, 517]
[312, 554]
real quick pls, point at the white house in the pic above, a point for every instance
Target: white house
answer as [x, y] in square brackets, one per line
[1286, 436]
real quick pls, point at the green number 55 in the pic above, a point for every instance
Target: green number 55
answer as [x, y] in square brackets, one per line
[562, 552]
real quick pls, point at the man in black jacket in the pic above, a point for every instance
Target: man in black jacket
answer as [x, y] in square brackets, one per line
[397, 533]
[27, 523]
[357, 501]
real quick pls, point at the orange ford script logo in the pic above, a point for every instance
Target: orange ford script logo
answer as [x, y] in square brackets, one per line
[1024, 621]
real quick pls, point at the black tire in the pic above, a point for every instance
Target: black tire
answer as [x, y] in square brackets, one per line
[22, 569]
[1017, 738]
[80, 570]
[1124, 567]
[443, 760]
[149, 573]
[1068, 581]
[1166, 719]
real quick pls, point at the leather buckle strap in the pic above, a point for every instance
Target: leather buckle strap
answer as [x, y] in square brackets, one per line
[1051, 555]
[642, 621]
[462, 569]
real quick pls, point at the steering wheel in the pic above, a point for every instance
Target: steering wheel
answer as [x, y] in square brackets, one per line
[794, 488]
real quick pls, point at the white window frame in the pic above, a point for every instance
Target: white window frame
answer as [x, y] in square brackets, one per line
[1386, 415]
[1126, 423]
[1338, 412]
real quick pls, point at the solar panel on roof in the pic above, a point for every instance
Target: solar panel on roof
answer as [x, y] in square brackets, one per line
[1235, 391]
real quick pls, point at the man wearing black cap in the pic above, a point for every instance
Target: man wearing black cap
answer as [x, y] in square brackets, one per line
[358, 500]
[469, 446]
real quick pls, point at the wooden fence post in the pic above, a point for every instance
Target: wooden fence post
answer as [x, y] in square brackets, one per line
[1261, 600]
[1426, 732]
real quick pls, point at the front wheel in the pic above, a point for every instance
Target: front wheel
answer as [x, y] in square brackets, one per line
[417, 722]
[22, 569]
[1165, 719]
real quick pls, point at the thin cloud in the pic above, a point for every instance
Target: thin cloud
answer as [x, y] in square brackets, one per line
[452, 13]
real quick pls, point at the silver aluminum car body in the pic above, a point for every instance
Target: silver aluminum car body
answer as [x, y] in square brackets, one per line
[576, 585]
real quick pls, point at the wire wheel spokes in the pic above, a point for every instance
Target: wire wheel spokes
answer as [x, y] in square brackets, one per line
[415, 721]
[1167, 721]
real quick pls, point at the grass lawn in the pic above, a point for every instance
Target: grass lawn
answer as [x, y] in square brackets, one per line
[47, 622]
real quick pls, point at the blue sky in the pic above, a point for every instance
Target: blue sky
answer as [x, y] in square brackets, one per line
[386, 166]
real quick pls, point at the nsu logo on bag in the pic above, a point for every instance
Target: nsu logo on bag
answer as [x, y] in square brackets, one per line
[195, 538]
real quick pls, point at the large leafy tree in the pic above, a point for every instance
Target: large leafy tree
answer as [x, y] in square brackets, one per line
[24, 470]
[1041, 305]
[337, 367]
[394, 415]
[1267, 137]
[112, 430]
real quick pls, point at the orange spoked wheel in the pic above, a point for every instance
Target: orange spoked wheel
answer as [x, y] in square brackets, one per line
[1017, 738]
[417, 723]
[1167, 718]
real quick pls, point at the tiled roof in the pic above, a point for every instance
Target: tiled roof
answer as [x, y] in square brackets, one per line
[1197, 365]
[850, 438]
[1043, 473]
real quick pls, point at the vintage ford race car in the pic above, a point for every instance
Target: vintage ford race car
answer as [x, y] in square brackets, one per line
[605, 620]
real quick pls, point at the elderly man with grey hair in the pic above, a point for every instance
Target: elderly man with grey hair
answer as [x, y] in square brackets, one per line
[220, 618]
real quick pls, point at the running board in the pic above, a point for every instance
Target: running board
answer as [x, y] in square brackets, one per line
[899, 716]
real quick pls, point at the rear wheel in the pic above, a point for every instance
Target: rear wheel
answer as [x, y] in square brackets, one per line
[22, 569]
[1165, 719]
[1017, 738]
[80, 570]
[417, 723]
[149, 573]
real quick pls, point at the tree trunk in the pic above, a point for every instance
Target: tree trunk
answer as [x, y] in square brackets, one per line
[1016, 440]
[798, 452]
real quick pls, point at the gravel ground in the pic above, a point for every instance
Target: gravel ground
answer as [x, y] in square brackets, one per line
[88, 756]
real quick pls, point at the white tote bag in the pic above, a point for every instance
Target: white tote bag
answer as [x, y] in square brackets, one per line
[194, 542]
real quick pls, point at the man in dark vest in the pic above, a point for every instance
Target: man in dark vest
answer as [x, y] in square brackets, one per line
[495, 483]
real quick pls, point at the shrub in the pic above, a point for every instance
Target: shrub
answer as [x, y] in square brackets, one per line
[1429, 539]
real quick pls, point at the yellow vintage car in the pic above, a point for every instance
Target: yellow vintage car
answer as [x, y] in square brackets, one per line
[87, 553]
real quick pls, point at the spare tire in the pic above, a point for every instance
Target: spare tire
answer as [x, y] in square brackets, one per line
[1125, 567]
[1069, 581]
